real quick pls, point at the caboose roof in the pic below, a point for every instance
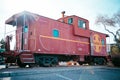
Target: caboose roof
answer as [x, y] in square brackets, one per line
[19, 18]
[100, 33]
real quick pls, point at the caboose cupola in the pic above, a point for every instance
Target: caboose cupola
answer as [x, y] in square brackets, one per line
[80, 25]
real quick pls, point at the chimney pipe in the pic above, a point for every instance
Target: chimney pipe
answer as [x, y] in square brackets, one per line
[63, 14]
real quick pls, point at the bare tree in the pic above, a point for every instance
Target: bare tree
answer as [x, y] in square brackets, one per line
[113, 21]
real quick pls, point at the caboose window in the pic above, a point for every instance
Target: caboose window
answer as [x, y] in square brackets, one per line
[81, 24]
[55, 33]
[70, 20]
[26, 28]
[103, 42]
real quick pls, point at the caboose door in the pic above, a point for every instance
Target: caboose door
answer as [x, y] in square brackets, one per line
[25, 38]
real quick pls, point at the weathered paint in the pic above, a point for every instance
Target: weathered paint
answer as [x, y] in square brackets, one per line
[48, 36]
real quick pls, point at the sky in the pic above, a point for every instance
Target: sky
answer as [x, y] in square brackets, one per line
[87, 9]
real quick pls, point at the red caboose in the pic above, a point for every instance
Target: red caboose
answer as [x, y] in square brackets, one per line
[44, 41]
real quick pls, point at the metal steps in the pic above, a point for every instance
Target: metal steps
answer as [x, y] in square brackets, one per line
[27, 57]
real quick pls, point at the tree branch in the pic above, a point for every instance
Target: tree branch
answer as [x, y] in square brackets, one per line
[108, 30]
[117, 32]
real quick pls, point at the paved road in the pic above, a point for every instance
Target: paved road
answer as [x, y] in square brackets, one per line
[61, 73]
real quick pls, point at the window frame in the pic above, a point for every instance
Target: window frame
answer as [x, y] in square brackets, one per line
[83, 23]
[103, 42]
[55, 33]
[25, 28]
[70, 20]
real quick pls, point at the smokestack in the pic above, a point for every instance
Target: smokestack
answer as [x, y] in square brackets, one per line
[63, 14]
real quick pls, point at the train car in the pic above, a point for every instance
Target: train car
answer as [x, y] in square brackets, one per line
[45, 41]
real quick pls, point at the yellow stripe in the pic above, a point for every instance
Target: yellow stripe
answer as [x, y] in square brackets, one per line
[63, 39]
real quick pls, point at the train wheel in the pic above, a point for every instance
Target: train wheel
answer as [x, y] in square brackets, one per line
[31, 65]
[100, 61]
[54, 63]
[46, 60]
[20, 64]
